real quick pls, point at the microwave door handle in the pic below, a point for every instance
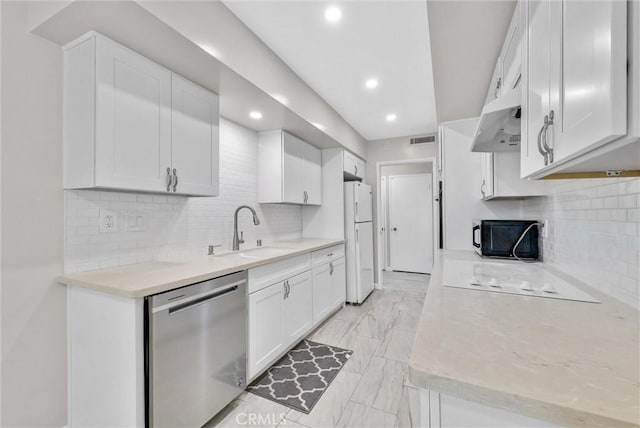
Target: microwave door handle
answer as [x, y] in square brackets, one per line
[473, 236]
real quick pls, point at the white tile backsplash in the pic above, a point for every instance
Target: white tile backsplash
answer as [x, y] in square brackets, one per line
[178, 225]
[594, 232]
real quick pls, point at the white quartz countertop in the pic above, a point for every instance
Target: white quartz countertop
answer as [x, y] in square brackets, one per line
[145, 279]
[566, 362]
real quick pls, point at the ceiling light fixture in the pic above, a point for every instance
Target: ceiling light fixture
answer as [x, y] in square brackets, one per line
[371, 83]
[333, 14]
[255, 115]
[391, 117]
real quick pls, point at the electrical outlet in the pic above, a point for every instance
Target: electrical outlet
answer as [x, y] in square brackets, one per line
[108, 221]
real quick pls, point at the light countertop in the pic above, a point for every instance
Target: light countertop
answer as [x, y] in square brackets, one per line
[566, 362]
[145, 279]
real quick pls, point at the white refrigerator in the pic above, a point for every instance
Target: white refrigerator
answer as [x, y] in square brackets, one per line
[359, 235]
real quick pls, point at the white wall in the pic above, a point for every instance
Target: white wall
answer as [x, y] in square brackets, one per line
[594, 232]
[177, 225]
[34, 357]
[391, 150]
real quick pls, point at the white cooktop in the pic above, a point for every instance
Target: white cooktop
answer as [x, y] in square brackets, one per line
[527, 279]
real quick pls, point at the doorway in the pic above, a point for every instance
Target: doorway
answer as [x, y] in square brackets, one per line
[405, 226]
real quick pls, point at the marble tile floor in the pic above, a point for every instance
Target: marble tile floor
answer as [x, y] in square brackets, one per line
[371, 390]
[405, 281]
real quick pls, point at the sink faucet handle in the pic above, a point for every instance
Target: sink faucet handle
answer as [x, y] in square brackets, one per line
[212, 247]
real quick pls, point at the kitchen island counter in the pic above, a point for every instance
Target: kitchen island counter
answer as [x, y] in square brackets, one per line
[565, 362]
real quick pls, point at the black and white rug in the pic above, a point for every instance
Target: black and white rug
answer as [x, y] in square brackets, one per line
[299, 379]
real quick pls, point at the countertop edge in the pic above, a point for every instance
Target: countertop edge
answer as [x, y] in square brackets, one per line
[421, 377]
[70, 280]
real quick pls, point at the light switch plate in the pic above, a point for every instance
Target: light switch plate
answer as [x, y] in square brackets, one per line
[134, 221]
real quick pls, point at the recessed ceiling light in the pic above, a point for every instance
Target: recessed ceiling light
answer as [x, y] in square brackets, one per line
[255, 115]
[333, 14]
[391, 117]
[371, 83]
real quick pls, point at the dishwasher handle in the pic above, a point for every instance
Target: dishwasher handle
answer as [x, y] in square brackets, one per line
[197, 299]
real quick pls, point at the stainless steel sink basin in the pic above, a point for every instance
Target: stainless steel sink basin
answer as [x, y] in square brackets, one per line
[259, 253]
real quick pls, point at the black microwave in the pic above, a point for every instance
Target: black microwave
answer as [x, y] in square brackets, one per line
[498, 238]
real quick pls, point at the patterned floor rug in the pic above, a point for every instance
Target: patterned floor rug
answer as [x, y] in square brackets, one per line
[299, 379]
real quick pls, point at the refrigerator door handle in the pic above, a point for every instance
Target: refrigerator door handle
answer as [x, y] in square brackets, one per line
[356, 210]
[357, 235]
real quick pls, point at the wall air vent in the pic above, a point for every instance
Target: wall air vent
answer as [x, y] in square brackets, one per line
[423, 140]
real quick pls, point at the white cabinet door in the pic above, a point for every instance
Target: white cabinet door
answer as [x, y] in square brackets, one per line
[195, 142]
[536, 74]
[133, 120]
[495, 84]
[589, 84]
[511, 55]
[312, 174]
[338, 282]
[298, 308]
[292, 169]
[349, 163]
[322, 292]
[487, 186]
[266, 323]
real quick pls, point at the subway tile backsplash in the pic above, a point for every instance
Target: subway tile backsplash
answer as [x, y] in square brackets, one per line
[594, 232]
[177, 225]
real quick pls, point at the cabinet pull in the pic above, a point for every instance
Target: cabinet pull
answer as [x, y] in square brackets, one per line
[331, 268]
[284, 285]
[169, 179]
[540, 149]
[175, 179]
[482, 188]
[548, 120]
[498, 85]
[330, 254]
[356, 209]
[356, 169]
[306, 196]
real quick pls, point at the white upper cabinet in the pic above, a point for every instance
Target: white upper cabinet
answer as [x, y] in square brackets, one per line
[500, 174]
[195, 134]
[289, 170]
[119, 112]
[354, 167]
[574, 81]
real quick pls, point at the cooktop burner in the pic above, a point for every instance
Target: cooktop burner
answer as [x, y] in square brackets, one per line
[526, 279]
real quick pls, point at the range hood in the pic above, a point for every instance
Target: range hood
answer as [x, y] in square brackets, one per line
[499, 125]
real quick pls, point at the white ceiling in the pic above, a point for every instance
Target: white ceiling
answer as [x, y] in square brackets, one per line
[388, 40]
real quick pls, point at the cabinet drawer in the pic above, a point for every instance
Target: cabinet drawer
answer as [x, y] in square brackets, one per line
[327, 255]
[263, 276]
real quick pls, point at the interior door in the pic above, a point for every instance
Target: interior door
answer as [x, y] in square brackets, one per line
[194, 149]
[411, 222]
[133, 120]
[363, 208]
[364, 262]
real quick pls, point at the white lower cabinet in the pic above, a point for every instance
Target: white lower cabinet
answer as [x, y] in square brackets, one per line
[437, 410]
[298, 298]
[297, 308]
[266, 320]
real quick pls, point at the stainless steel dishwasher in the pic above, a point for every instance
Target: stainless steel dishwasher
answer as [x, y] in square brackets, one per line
[196, 351]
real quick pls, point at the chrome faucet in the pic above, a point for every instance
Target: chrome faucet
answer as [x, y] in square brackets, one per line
[237, 241]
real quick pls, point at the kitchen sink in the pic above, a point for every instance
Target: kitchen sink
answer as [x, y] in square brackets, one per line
[260, 253]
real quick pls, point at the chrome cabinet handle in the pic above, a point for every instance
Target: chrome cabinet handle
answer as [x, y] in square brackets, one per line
[284, 285]
[306, 196]
[482, 188]
[540, 149]
[331, 268]
[175, 179]
[498, 85]
[548, 120]
[169, 179]
[356, 169]
[330, 254]
[356, 208]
